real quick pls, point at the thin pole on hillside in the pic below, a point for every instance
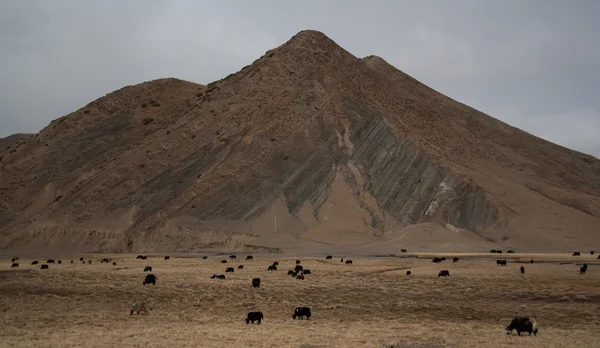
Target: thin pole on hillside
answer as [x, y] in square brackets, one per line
[275, 224]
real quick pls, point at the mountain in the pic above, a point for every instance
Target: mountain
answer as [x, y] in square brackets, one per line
[343, 152]
[13, 140]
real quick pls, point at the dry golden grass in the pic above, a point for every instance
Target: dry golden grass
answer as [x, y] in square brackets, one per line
[371, 303]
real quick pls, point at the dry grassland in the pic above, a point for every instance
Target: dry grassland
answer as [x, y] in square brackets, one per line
[371, 303]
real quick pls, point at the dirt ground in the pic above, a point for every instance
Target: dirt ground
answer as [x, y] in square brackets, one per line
[371, 303]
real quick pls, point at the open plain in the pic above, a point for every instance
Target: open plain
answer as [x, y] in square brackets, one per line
[371, 303]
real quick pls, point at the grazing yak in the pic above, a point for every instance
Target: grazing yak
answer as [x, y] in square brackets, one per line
[223, 261]
[276, 263]
[272, 268]
[403, 250]
[139, 257]
[114, 263]
[501, 262]
[510, 252]
[348, 262]
[306, 271]
[256, 283]
[297, 262]
[150, 279]
[81, 258]
[232, 257]
[241, 267]
[493, 251]
[522, 324]
[591, 252]
[59, 262]
[71, 261]
[167, 258]
[148, 269]
[408, 272]
[329, 257]
[14, 264]
[229, 270]
[342, 259]
[50, 261]
[436, 260]
[455, 259]
[218, 276]
[90, 262]
[301, 312]
[577, 253]
[522, 270]
[598, 258]
[583, 269]
[249, 257]
[204, 257]
[140, 307]
[35, 262]
[254, 316]
[531, 261]
[291, 272]
[300, 277]
[444, 273]
[14, 259]
[298, 268]
[44, 267]
[105, 260]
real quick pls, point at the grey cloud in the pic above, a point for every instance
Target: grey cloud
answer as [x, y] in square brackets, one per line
[533, 64]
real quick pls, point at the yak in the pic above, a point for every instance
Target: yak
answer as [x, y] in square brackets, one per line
[150, 279]
[254, 316]
[140, 307]
[522, 324]
[444, 273]
[301, 312]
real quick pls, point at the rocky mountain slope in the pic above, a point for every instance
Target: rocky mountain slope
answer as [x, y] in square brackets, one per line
[342, 151]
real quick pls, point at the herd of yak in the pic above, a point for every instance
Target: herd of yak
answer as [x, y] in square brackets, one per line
[519, 324]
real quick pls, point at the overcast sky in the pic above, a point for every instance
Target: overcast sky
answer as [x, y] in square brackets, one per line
[532, 64]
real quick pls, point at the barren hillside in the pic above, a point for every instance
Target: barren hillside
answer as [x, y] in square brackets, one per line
[343, 151]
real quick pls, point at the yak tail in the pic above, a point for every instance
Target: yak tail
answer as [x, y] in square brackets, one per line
[534, 325]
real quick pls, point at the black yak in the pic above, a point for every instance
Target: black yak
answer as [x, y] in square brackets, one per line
[150, 279]
[254, 316]
[522, 324]
[444, 273]
[301, 312]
